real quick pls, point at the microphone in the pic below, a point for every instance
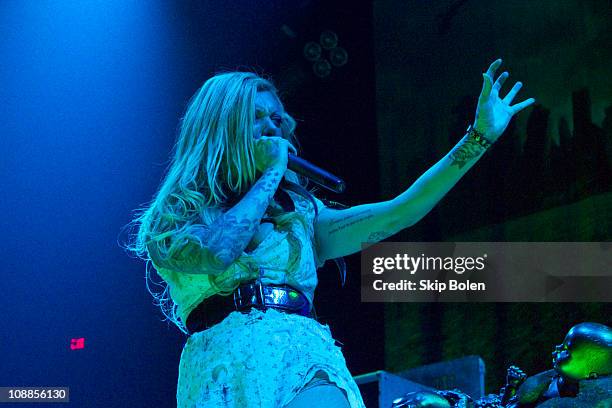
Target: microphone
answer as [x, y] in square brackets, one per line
[315, 174]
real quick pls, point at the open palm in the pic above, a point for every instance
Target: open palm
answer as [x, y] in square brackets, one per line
[494, 113]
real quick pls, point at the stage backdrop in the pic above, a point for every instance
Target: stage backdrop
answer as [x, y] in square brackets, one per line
[547, 179]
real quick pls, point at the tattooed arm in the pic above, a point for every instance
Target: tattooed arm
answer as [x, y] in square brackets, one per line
[341, 232]
[223, 241]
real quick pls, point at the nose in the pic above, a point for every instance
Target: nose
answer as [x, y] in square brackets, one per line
[271, 128]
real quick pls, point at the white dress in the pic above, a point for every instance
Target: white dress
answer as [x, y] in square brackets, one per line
[262, 358]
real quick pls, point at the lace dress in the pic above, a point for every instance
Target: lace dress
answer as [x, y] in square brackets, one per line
[265, 358]
[261, 359]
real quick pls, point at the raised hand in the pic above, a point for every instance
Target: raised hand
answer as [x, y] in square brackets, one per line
[494, 113]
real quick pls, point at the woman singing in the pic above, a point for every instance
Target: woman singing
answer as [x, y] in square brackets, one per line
[238, 241]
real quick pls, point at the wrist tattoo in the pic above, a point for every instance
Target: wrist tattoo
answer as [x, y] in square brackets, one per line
[466, 151]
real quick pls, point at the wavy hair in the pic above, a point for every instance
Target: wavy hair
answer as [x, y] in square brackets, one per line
[212, 165]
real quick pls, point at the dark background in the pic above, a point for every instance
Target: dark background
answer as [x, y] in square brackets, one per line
[547, 179]
[92, 93]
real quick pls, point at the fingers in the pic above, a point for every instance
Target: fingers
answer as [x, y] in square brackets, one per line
[292, 149]
[508, 99]
[500, 81]
[522, 105]
[278, 142]
[488, 76]
[493, 67]
[488, 87]
[487, 84]
[269, 139]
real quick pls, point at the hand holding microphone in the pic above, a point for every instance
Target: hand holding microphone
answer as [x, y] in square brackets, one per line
[273, 151]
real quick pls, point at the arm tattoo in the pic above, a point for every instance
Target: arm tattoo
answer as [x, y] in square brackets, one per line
[375, 237]
[229, 235]
[225, 238]
[465, 152]
[349, 220]
[378, 236]
[348, 217]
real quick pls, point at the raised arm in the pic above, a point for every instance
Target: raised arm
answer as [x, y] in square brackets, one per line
[341, 232]
[223, 241]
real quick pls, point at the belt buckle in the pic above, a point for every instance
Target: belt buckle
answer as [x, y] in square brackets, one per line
[257, 298]
[259, 291]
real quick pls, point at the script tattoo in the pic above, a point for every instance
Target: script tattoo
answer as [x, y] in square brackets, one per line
[465, 152]
[349, 220]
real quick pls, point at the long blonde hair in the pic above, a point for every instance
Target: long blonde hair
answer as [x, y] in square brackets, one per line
[212, 163]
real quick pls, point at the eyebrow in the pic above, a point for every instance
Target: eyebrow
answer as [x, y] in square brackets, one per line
[263, 108]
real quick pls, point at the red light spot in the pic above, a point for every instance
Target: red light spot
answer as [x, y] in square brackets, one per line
[76, 344]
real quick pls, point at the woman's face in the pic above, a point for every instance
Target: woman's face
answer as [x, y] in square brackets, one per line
[268, 115]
